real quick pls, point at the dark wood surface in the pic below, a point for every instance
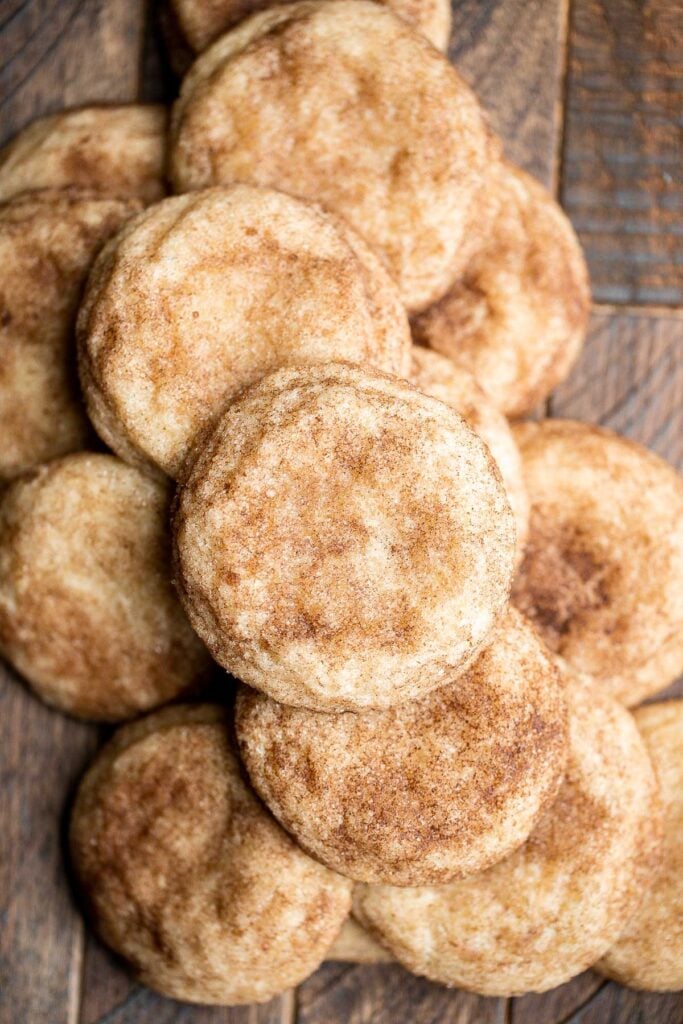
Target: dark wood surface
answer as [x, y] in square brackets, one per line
[60, 54]
[603, 135]
[621, 177]
[513, 54]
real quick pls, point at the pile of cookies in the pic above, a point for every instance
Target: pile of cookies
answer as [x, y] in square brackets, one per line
[420, 624]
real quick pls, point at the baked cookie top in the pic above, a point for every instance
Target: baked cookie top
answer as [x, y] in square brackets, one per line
[206, 293]
[343, 541]
[88, 613]
[516, 314]
[553, 907]
[340, 102]
[48, 241]
[187, 876]
[419, 794]
[435, 375]
[602, 577]
[649, 952]
[118, 149]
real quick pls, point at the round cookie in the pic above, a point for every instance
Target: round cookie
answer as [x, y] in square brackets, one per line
[602, 577]
[553, 907]
[441, 378]
[48, 240]
[516, 315]
[187, 876]
[433, 790]
[198, 23]
[343, 541]
[340, 102]
[88, 614]
[119, 150]
[649, 953]
[206, 293]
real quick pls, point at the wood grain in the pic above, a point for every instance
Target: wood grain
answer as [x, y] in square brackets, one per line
[140, 1006]
[386, 994]
[512, 52]
[612, 1004]
[559, 1005]
[158, 83]
[622, 182]
[62, 54]
[630, 379]
[53, 55]
[41, 932]
[109, 993]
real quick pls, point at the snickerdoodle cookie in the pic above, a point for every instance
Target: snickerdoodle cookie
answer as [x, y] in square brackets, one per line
[436, 789]
[557, 904]
[516, 315]
[343, 541]
[206, 293]
[441, 378]
[602, 576]
[87, 610]
[185, 873]
[48, 240]
[199, 23]
[339, 101]
[119, 150]
[649, 953]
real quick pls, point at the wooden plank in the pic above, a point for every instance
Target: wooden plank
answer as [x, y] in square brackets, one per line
[142, 1005]
[630, 379]
[386, 994]
[612, 1004]
[110, 993]
[41, 938]
[138, 1005]
[513, 52]
[53, 55]
[559, 1005]
[622, 183]
[105, 984]
[62, 54]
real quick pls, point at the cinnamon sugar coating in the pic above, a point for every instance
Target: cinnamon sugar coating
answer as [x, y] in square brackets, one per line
[204, 294]
[340, 102]
[48, 241]
[451, 383]
[556, 905]
[118, 150]
[187, 876]
[88, 613]
[516, 315]
[649, 952]
[420, 794]
[343, 541]
[602, 578]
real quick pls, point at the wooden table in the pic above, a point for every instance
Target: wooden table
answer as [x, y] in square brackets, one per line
[586, 98]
